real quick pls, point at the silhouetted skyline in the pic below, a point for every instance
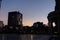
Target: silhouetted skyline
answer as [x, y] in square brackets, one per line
[49, 31]
[32, 10]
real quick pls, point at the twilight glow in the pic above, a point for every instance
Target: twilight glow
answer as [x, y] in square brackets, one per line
[32, 10]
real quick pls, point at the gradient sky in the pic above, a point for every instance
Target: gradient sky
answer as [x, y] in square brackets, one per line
[32, 10]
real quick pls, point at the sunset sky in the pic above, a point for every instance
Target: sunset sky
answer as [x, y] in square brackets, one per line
[32, 10]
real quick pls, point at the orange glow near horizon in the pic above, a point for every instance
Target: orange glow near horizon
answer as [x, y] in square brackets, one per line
[30, 23]
[27, 23]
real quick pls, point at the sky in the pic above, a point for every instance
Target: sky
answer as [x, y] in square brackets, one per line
[32, 10]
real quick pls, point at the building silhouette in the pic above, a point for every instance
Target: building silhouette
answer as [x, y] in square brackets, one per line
[36, 32]
[14, 18]
[54, 17]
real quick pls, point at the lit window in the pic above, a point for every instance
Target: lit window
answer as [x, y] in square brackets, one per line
[54, 24]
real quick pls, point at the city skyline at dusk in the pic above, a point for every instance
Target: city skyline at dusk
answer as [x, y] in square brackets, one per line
[32, 10]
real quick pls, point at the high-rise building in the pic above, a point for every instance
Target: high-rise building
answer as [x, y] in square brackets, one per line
[14, 18]
[54, 17]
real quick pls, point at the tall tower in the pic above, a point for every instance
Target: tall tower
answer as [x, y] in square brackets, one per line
[57, 5]
[14, 18]
[54, 17]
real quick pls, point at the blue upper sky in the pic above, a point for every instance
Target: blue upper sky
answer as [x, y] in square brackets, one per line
[32, 10]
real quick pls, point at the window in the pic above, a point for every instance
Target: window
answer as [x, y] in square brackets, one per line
[54, 24]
